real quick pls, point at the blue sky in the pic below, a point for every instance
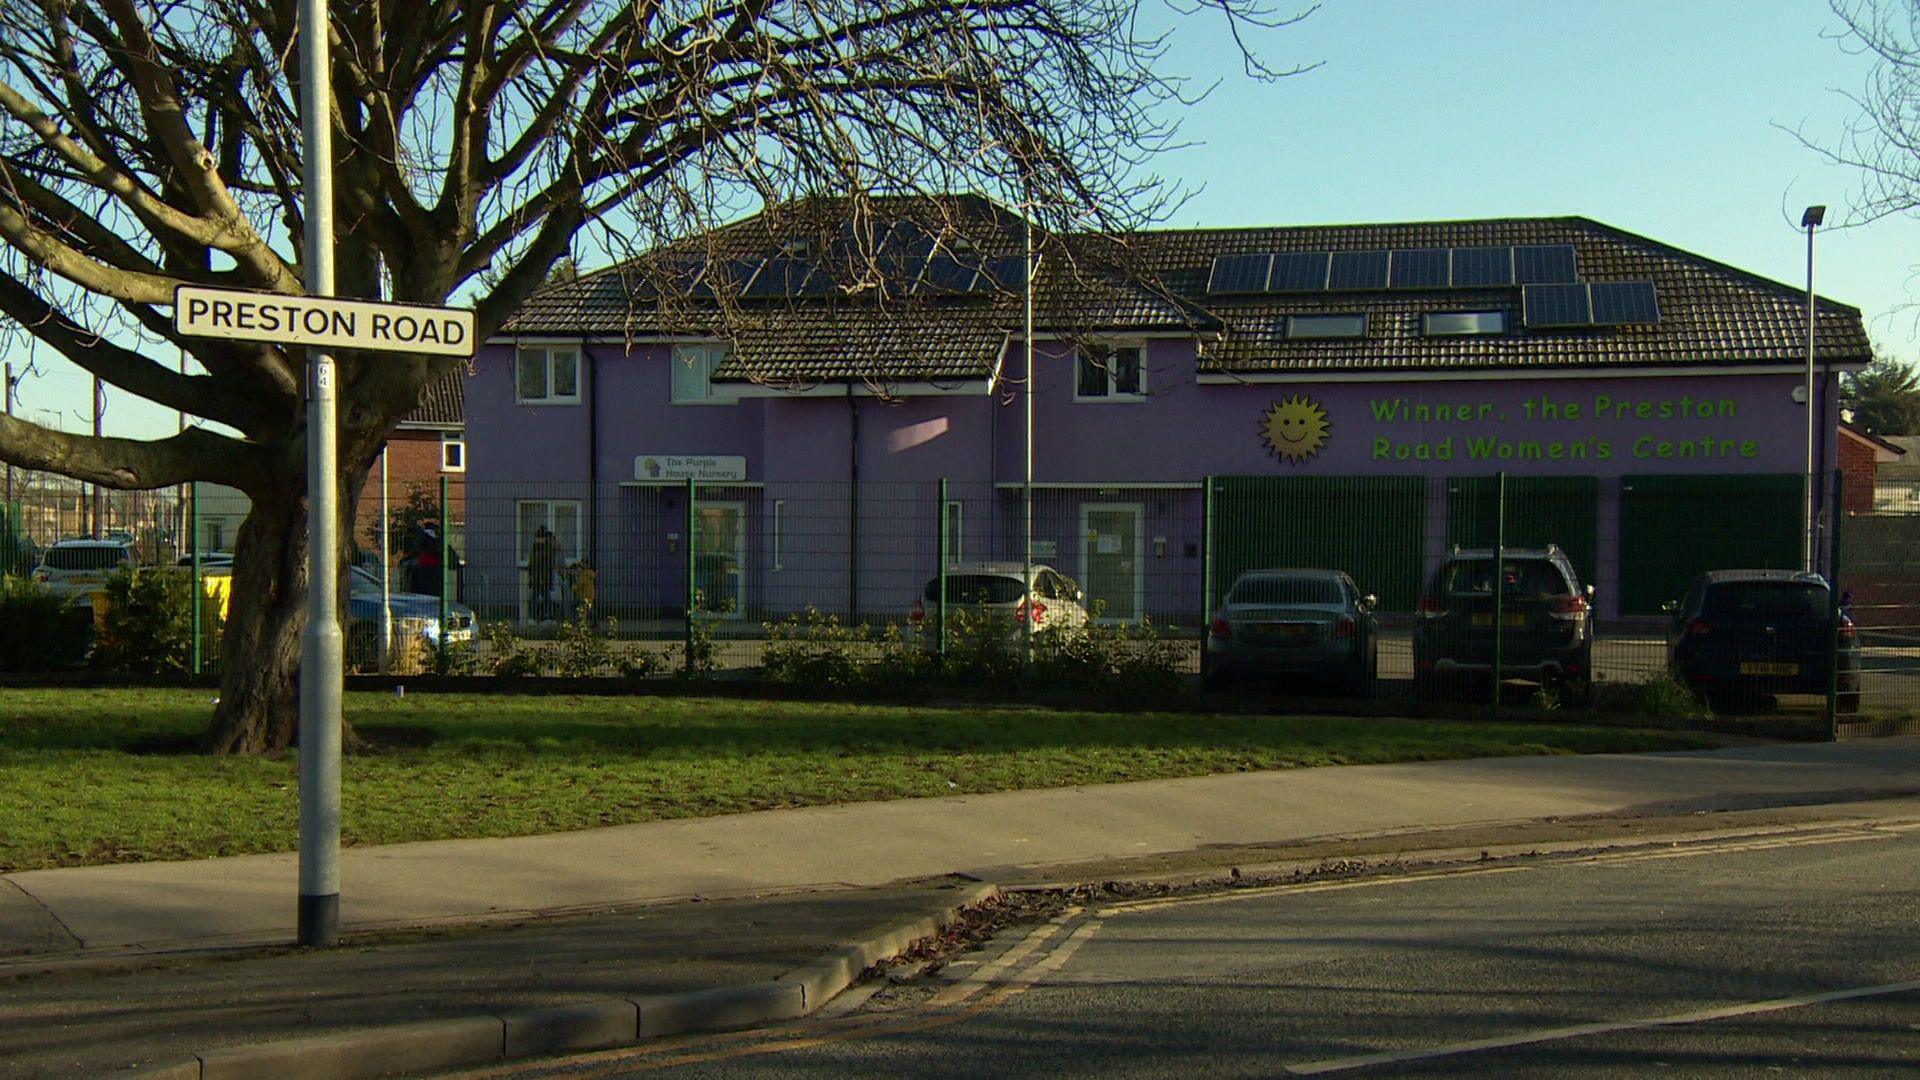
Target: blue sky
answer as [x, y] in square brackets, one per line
[1658, 118]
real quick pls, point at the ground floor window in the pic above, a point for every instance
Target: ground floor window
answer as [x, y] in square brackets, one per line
[547, 538]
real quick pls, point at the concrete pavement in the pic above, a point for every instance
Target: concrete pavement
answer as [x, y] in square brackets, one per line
[169, 906]
[107, 968]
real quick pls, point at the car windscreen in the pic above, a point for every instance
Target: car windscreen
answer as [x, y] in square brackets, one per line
[1518, 577]
[1765, 600]
[977, 589]
[84, 558]
[1285, 589]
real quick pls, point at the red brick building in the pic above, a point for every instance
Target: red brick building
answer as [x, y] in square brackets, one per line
[1861, 456]
[429, 444]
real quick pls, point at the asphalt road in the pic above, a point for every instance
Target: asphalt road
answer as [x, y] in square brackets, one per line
[1790, 955]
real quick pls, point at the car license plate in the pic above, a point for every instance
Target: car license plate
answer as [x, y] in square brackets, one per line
[1283, 633]
[1754, 667]
[1511, 618]
[85, 579]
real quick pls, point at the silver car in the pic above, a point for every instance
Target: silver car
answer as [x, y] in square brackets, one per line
[995, 588]
[1310, 623]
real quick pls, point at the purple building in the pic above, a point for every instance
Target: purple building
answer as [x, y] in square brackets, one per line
[1202, 401]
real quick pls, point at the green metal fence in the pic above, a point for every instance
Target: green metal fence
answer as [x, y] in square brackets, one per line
[652, 577]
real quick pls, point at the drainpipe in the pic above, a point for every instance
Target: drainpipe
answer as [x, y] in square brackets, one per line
[593, 454]
[853, 506]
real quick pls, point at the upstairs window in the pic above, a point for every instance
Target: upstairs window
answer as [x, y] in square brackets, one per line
[1326, 326]
[546, 375]
[693, 368]
[1111, 372]
[1460, 323]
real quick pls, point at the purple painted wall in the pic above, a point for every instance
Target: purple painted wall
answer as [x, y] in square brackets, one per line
[800, 454]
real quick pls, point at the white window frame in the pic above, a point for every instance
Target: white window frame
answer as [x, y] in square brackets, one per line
[1112, 394]
[953, 520]
[453, 439]
[547, 354]
[522, 544]
[710, 355]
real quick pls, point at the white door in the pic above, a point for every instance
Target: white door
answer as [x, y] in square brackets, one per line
[1112, 570]
[719, 554]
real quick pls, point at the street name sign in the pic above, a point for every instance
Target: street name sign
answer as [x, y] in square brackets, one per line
[239, 315]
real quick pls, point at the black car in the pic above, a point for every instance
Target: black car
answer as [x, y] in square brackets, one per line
[1546, 622]
[1741, 634]
[1312, 623]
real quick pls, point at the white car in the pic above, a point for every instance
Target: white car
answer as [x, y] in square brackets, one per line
[73, 568]
[995, 588]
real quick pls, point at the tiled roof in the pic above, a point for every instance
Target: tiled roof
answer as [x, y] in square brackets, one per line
[1156, 280]
[442, 404]
[1709, 313]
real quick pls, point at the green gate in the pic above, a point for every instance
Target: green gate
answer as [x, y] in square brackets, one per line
[1541, 510]
[1672, 528]
[1371, 527]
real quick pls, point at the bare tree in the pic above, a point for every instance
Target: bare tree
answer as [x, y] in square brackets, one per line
[149, 143]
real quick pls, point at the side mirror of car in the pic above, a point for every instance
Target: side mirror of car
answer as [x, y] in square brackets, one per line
[1589, 592]
[1369, 601]
[1670, 606]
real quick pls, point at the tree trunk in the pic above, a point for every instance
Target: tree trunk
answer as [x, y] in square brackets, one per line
[259, 707]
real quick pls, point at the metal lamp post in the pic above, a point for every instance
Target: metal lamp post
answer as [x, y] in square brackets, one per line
[1810, 221]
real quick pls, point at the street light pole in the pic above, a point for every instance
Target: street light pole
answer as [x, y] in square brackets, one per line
[319, 913]
[1810, 221]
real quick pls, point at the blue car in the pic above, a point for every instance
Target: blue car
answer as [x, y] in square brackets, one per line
[1314, 624]
[408, 610]
[1739, 635]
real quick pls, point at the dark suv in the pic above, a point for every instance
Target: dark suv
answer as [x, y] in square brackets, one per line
[1741, 634]
[1546, 621]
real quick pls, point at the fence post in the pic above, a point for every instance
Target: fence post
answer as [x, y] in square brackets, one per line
[1833, 599]
[941, 574]
[1206, 570]
[193, 556]
[692, 592]
[1499, 584]
[446, 573]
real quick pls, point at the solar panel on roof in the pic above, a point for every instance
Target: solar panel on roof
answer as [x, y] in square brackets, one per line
[780, 277]
[1556, 305]
[947, 275]
[1005, 274]
[1423, 268]
[1298, 271]
[1358, 270]
[1478, 267]
[1544, 264]
[1239, 274]
[1617, 302]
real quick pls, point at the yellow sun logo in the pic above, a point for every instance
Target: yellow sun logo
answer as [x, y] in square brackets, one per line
[1295, 428]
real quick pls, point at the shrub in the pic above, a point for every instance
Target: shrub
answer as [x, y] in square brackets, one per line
[815, 650]
[37, 631]
[1134, 660]
[147, 627]
[584, 650]
[642, 663]
[510, 658]
[1661, 697]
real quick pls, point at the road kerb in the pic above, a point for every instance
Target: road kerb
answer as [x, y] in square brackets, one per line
[421, 1047]
[450, 1043]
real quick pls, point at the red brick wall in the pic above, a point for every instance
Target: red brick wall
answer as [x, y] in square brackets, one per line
[1857, 469]
[413, 460]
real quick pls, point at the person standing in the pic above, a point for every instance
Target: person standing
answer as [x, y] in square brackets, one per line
[543, 559]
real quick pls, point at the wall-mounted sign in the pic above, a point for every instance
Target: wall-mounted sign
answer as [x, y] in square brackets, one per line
[689, 467]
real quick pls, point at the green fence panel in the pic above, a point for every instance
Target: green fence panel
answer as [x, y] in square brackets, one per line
[1672, 528]
[1371, 527]
[1541, 510]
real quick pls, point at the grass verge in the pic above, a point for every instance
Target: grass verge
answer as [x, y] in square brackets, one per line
[103, 776]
